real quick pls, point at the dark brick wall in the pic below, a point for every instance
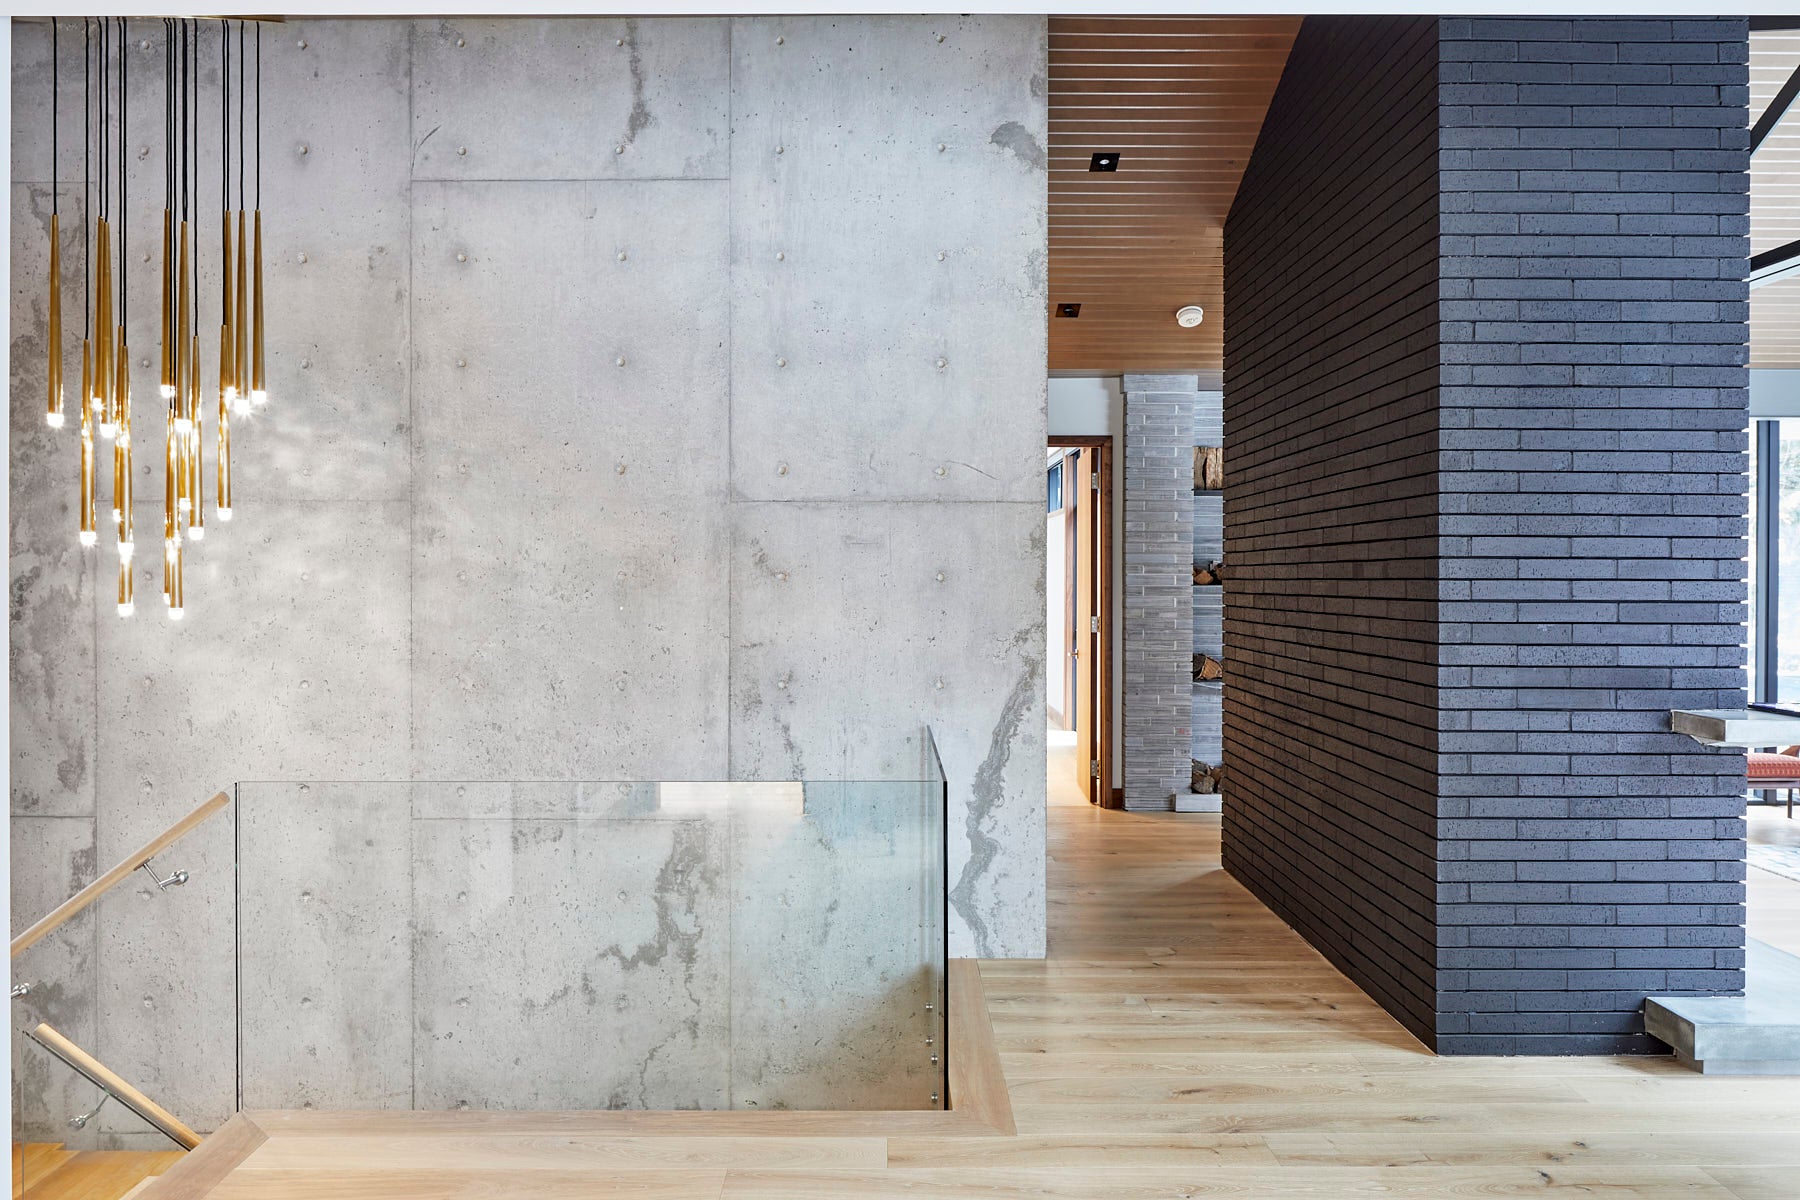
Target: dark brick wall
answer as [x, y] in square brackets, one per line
[1594, 216]
[1330, 724]
[1485, 412]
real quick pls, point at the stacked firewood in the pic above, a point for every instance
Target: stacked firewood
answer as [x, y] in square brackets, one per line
[1210, 574]
[1208, 778]
[1209, 468]
[1207, 668]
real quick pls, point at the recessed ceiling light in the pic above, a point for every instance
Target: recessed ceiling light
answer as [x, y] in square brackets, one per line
[1068, 310]
[1105, 160]
[1189, 315]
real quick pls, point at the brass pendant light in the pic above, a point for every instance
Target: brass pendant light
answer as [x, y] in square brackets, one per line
[106, 367]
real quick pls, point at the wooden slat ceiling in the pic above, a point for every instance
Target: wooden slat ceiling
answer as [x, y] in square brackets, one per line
[1774, 202]
[1180, 100]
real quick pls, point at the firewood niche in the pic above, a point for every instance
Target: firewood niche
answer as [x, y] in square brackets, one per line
[1209, 468]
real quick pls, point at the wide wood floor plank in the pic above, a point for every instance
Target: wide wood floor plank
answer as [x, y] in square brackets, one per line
[1756, 1183]
[322, 1183]
[1416, 1183]
[507, 1152]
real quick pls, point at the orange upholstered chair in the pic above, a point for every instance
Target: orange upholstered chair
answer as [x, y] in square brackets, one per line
[1776, 772]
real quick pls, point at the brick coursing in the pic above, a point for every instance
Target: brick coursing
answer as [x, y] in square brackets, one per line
[1593, 404]
[1485, 412]
[1156, 600]
[1330, 723]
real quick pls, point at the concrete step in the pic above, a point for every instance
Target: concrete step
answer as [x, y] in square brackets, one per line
[1757, 1033]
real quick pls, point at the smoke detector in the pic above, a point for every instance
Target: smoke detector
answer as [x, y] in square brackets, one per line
[1189, 315]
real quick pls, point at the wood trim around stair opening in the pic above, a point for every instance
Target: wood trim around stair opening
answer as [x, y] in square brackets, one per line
[217, 1156]
[979, 1107]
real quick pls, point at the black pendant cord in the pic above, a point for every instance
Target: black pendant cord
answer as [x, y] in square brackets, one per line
[105, 117]
[124, 185]
[182, 118]
[55, 55]
[224, 117]
[87, 200]
[240, 118]
[194, 110]
[259, 116]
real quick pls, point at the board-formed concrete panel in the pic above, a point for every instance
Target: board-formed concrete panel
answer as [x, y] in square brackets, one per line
[573, 98]
[571, 964]
[855, 625]
[888, 281]
[325, 944]
[335, 247]
[569, 565]
[51, 576]
[52, 859]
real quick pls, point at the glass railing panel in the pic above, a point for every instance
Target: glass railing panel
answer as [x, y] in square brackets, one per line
[97, 1063]
[591, 945]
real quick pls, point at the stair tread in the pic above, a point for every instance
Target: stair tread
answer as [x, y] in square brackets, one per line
[38, 1159]
[100, 1174]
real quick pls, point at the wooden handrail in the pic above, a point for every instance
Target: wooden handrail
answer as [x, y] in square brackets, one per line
[100, 1075]
[111, 879]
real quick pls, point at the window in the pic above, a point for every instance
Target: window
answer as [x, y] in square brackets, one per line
[1775, 561]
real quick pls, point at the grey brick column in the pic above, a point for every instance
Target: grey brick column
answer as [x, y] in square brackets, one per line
[1485, 400]
[1157, 598]
[1594, 201]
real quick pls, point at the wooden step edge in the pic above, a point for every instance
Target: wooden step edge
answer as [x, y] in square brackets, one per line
[977, 1084]
[207, 1164]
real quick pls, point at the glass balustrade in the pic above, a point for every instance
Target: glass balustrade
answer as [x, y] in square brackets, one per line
[531, 946]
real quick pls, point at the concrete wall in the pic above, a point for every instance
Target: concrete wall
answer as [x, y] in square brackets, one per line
[594, 453]
[1485, 517]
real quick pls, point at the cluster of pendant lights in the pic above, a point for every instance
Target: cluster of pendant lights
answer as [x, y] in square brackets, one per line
[106, 384]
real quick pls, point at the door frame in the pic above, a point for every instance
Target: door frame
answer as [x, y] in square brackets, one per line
[1106, 795]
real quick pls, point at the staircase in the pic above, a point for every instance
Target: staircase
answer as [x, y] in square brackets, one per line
[45, 1171]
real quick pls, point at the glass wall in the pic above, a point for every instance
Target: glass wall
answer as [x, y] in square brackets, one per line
[1775, 561]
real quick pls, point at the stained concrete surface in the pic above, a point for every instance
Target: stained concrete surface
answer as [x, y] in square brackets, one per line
[540, 564]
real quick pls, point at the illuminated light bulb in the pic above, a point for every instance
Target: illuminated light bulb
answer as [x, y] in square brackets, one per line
[184, 425]
[127, 608]
[166, 391]
[108, 430]
[240, 406]
[175, 614]
[90, 537]
[197, 533]
[126, 550]
[183, 504]
[224, 514]
[53, 420]
[258, 396]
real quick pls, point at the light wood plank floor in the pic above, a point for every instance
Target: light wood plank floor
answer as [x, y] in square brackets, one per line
[1179, 1042]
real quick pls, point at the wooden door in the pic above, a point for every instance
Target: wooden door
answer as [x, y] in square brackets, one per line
[1086, 717]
